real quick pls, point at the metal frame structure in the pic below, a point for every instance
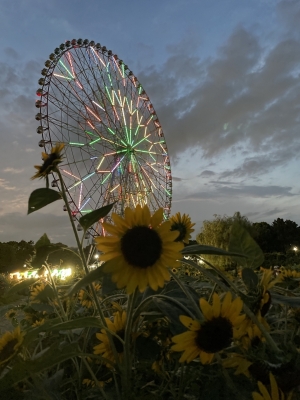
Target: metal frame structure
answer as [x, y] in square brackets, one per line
[115, 150]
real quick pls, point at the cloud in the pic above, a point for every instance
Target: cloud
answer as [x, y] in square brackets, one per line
[242, 191]
[206, 174]
[10, 52]
[14, 170]
[5, 185]
[275, 211]
[18, 226]
[244, 100]
[174, 178]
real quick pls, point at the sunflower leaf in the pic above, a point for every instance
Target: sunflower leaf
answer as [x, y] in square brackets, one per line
[242, 242]
[55, 325]
[40, 198]
[204, 249]
[88, 279]
[89, 219]
[19, 287]
[250, 279]
[24, 369]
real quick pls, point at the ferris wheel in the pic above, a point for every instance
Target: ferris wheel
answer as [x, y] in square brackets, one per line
[115, 150]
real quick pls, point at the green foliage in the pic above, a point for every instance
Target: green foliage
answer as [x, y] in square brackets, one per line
[40, 198]
[216, 233]
[242, 242]
[89, 219]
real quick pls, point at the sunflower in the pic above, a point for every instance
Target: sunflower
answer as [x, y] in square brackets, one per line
[92, 383]
[288, 273]
[266, 283]
[10, 343]
[118, 327]
[216, 333]
[239, 362]
[36, 291]
[141, 248]
[10, 314]
[85, 297]
[50, 161]
[275, 394]
[251, 334]
[183, 224]
[38, 322]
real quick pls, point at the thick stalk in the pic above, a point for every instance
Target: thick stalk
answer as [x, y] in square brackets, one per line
[127, 357]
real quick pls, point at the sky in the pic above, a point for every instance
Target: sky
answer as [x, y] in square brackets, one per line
[223, 77]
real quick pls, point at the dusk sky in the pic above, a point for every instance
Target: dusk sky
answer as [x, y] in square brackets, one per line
[223, 76]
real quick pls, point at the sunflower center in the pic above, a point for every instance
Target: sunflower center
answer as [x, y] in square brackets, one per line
[179, 226]
[119, 345]
[141, 246]
[214, 335]
[49, 161]
[7, 350]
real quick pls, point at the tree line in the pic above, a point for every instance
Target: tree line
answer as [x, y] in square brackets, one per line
[15, 256]
[279, 241]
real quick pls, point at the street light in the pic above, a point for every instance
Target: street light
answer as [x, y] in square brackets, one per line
[295, 248]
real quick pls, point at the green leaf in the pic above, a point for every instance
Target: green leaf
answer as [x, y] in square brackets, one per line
[89, 219]
[291, 301]
[242, 242]
[18, 287]
[91, 277]
[250, 279]
[55, 325]
[195, 249]
[40, 198]
[25, 369]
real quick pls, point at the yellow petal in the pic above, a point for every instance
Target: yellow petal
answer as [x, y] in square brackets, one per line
[189, 323]
[216, 305]
[206, 358]
[263, 391]
[157, 218]
[206, 309]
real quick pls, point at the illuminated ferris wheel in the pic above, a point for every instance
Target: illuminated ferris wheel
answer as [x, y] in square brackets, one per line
[115, 150]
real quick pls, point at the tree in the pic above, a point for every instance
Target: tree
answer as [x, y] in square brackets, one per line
[7, 258]
[287, 234]
[265, 237]
[217, 233]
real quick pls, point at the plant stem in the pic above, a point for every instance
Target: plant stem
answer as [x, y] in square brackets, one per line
[127, 358]
[188, 295]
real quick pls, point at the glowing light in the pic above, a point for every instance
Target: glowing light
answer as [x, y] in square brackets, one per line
[85, 203]
[98, 105]
[114, 188]
[94, 141]
[62, 76]
[100, 162]
[144, 138]
[89, 110]
[66, 69]
[96, 54]
[80, 196]
[69, 173]
[91, 125]
[76, 144]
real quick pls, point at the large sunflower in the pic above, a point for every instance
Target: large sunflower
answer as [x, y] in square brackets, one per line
[50, 161]
[183, 224]
[275, 394]
[141, 248]
[214, 334]
[10, 343]
[104, 348]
